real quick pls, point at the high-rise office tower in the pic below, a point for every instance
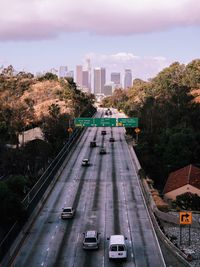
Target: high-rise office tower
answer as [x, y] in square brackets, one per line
[85, 79]
[79, 75]
[107, 89]
[89, 73]
[63, 71]
[99, 80]
[115, 77]
[70, 74]
[127, 78]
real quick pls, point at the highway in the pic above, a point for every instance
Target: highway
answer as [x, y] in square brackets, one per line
[107, 198]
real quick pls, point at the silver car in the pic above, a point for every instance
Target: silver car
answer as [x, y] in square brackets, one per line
[91, 239]
[67, 212]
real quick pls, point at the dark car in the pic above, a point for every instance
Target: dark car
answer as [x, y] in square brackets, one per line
[93, 144]
[112, 139]
[103, 132]
[85, 162]
[102, 151]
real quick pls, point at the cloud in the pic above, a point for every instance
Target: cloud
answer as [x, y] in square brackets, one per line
[42, 19]
[142, 67]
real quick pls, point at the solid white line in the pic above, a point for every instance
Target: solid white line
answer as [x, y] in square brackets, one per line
[103, 262]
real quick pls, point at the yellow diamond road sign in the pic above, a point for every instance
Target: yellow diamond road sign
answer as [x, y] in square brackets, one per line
[137, 130]
[70, 130]
[185, 217]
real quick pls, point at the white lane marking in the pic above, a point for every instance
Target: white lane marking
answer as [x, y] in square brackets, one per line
[103, 262]
[77, 238]
[131, 255]
[56, 226]
[52, 237]
[42, 263]
[48, 249]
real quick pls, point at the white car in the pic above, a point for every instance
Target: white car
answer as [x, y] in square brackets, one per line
[67, 212]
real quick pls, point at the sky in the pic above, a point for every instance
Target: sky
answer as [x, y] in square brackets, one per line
[143, 35]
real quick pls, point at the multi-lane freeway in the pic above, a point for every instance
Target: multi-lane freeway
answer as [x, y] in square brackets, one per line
[107, 198]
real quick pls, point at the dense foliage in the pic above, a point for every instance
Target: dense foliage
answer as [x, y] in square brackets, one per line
[188, 201]
[169, 118]
[21, 166]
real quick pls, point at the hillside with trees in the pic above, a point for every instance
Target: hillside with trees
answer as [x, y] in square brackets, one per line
[27, 102]
[168, 109]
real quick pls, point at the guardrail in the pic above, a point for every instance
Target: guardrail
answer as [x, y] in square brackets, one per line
[34, 197]
[153, 211]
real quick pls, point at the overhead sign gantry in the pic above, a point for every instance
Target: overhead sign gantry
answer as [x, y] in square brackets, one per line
[106, 122]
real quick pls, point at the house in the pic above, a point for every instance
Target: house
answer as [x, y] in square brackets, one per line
[184, 180]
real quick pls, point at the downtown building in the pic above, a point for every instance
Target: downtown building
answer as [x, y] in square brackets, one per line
[116, 80]
[99, 80]
[127, 79]
[79, 75]
[83, 77]
[63, 71]
[115, 77]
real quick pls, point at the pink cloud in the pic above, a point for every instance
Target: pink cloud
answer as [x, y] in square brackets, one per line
[42, 19]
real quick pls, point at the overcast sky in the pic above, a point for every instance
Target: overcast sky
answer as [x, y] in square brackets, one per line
[144, 35]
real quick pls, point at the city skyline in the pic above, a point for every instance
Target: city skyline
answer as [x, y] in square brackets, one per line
[96, 83]
[145, 36]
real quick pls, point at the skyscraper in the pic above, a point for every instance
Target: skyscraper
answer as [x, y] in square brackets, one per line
[107, 89]
[127, 78]
[89, 73]
[115, 77]
[79, 75]
[99, 80]
[70, 74]
[85, 79]
[63, 71]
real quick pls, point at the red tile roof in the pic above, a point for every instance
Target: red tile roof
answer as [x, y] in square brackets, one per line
[187, 175]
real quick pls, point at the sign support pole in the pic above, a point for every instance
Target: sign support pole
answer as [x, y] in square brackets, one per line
[189, 235]
[180, 234]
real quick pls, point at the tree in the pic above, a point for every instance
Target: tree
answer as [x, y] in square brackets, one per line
[48, 76]
[188, 201]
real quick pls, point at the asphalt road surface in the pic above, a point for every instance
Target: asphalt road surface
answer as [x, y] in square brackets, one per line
[107, 198]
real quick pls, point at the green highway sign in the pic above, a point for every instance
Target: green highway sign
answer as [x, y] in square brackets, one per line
[109, 122]
[106, 122]
[95, 122]
[86, 122]
[127, 122]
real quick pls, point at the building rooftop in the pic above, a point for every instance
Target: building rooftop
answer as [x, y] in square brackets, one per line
[187, 175]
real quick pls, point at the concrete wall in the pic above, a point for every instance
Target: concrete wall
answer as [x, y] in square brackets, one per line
[35, 133]
[184, 189]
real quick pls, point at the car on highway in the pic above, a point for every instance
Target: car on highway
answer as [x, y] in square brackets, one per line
[93, 144]
[117, 247]
[111, 139]
[85, 162]
[103, 132]
[91, 239]
[67, 212]
[102, 151]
